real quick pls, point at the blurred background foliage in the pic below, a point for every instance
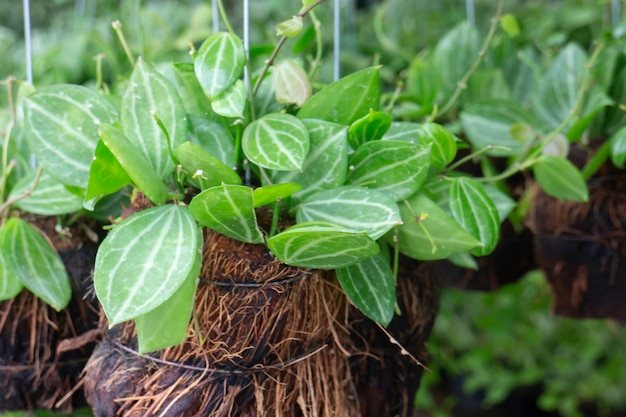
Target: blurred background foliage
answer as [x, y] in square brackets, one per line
[485, 346]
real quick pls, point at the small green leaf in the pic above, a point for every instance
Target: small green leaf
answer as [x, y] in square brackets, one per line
[213, 138]
[62, 129]
[219, 63]
[203, 168]
[368, 128]
[395, 167]
[106, 176]
[289, 28]
[472, 208]
[144, 260]
[618, 148]
[228, 209]
[151, 95]
[291, 83]
[134, 163]
[559, 178]
[50, 197]
[428, 233]
[276, 141]
[464, 260]
[232, 101]
[270, 193]
[10, 284]
[509, 25]
[424, 83]
[443, 148]
[35, 262]
[355, 208]
[345, 100]
[321, 246]
[370, 285]
[404, 131]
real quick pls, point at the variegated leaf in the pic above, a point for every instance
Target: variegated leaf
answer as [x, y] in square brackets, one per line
[10, 284]
[49, 198]
[232, 101]
[219, 63]
[213, 138]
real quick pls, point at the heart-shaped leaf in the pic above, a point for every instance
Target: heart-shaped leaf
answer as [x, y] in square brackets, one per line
[203, 168]
[144, 260]
[134, 163]
[232, 101]
[291, 83]
[345, 100]
[219, 63]
[37, 265]
[151, 95]
[368, 128]
[355, 208]
[443, 148]
[370, 285]
[228, 209]
[472, 208]
[62, 129]
[213, 138]
[276, 141]
[106, 176]
[49, 198]
[559, 178]
[321, 246]
[395, 167]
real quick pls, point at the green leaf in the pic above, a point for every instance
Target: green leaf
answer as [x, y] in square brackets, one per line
[618, 148]
[504, 204]
[35, 262]
[509, 25]
[270, 193]
[404, 131]
[321, 246]
[166, 325]
[49, 198]
[10, 284]
[428, 233]
[150, 94]
[368, 128]
[232, 101]
[213, 137]
[203, 168]
[291, 83]
[489, 124]
[219, 63]
[424, 83]
[326, 164]
[559, 178]
[134, 163]
[443, 148]
[472, 208]
[228, 209]
[276, 141]
[345, 100]
[370, 285]
[289, 28]
[106, 176]
[62, 129]
[355, 208]
[184, 79]
[395, 167]
[144, 260]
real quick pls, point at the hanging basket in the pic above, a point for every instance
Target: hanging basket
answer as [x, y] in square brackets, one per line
[42, 351]
[267, 340]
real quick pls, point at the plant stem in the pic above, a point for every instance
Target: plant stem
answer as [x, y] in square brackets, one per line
[98, 58]
[597, 160]
[383, 39]
[275, 217]
[319, 44]
[224, 16]
[22, 196]
[474, 155]
[117, 27]
[462, 84]
[279, 46]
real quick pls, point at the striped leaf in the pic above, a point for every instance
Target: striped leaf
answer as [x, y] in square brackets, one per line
[10, 284]
[345, 100]
[395, 167]
[291, 83]
[134, 163]
[322, 246]
[232, 101]
[271, 193]
[183, 76]
[166, 325]
[106, 176]
[355, 208]
[326, 164]
[370, 285]
[35, 262]
[276, 141]
[228, 209]
[144, 260]
[203, 168]
[219, 63]
[472, 208]
[49, 198]
[213, 138]
[151, 95]
[62, 129]
[368, 128]
[428, 233]
[443, 148]
[404, 131]
[559, 178]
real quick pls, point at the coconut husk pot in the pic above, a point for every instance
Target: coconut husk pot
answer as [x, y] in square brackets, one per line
[42, 351]
[582, 246]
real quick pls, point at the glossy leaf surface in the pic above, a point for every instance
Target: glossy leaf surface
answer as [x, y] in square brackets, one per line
[270, 193]
[106, 176]
[10, 284]
[559, 178]
[213, 138]
[232, 101]
[219, 63]
[291, 83]
[49, 198]
[443, 149]
[368, 128]
[203, 168]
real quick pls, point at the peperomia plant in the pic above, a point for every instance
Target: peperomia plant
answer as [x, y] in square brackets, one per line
[211, 150]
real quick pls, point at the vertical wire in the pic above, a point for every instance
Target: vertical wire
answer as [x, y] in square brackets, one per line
[246, 41]
[616, 12]
[337, 40]
[471, 14]
[216, 16]
[28, 42]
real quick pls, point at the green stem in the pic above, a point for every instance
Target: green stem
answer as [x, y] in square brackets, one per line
[99, 58]
[4, 207]
[117, 27]
[319, 47]
[224, 16]
[597, 160]
[476, 154]
[275, 217]
[383, 39]
[159, 123]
